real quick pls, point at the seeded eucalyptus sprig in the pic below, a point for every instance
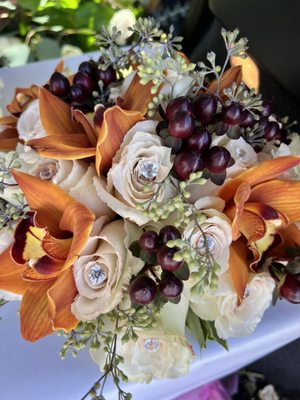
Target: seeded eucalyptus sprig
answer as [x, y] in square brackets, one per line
[246, 97]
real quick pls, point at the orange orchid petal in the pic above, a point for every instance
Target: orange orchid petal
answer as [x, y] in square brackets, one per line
[262, 172]
[23, 96]
[290, 237]
[60, 66]
[64, 147]
[116, 123]
[88, 127]
[79, 220]
[46, 198]
[138, 96]
[250, 71]
[56, 248]
[241, 196]
[34, 313]
[8, 120]
[56, 115]
[232, 75]
[61, 295]
[8, 139]
[11, 274]
[282, 195]
[238, 267]
[45, 269]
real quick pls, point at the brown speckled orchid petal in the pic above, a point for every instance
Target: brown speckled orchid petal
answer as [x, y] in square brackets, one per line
[63, 147]
[116, 123]
[56, 115]
[23, 96]
[87, 125]
[8, 139]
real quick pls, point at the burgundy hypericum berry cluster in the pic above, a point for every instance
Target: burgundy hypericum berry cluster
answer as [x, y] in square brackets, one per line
[84, 89]
[187, 123]
[144, 288]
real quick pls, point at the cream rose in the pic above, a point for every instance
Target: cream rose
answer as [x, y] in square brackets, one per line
[158, 353]
[217, 232]
[221, 306]
[141, 160]
[122, 20]
[75, 178]
[29, 124]
[103, 270]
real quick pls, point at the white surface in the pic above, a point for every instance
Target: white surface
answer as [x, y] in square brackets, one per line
[35, 371]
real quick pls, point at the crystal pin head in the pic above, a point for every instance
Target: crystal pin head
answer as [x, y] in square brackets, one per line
[148, 170]
[96, 274]
[209, 242]
[48, 171]
[151, 345]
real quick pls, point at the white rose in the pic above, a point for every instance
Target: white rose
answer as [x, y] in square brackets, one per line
[217, 231]
[141, 160]
[75, 178]
[104, 269]
[158, 353]
[221, 306]
[292, 148]
[122, 20]
[67, 50]
[29, 124]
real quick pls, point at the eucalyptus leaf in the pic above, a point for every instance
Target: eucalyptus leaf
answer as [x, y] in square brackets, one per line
[194, 325]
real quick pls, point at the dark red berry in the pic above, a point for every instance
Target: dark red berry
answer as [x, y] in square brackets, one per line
[168, 232]
[232, 114]
[182, 103]
[271, 131]
[142, 290]
[221, 129]
[199, 141]
[187, 162]
[247, 119]
[83, 80]
[266, 109]
[263, 123]
[149, 241]
[205, 108]
[290, 290]
[77, 93]
[170, 286]
[89, 68]
[107, 76]
[165, 259]
[217, 160]
[59, 85]
[181, 125]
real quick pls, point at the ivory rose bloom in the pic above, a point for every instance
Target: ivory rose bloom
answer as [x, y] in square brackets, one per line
[104, 269]
[217, 231]
[29, 124]
[230, 318]
[122, 20]
[158, 353]
[141, 160]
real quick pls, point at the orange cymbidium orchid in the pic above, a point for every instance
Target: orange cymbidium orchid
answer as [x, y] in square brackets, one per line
[260, 206]
[38, 264]
[71, 136]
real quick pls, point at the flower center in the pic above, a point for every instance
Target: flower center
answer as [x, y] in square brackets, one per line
[148, 170]
[240, 153]
[96, 274]
[151, 345]
[209, 243]
[48, 171]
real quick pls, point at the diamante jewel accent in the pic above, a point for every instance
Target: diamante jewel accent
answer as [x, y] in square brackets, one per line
[96, 274]
[210, 242]
[240, 153]
[148, 170]
[151, 344]
[48, 172]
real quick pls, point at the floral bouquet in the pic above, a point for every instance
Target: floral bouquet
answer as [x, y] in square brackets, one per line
[143, 198]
